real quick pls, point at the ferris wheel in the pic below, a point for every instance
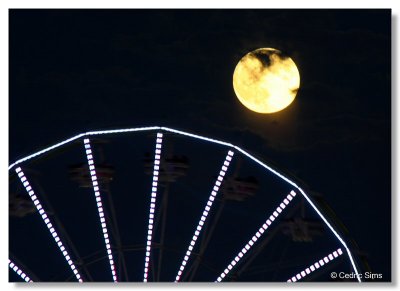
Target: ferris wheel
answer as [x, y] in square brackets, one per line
[156, 204]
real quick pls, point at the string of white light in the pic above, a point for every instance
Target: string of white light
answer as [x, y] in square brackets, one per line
[257, 235]
[19, 272]
[47, 221]
[36, 154]
[156, 169]
[92, 169]
[316, 265]
[124, 130]
[203, 218]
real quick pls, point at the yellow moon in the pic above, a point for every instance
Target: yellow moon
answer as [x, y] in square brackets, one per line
[266, 81]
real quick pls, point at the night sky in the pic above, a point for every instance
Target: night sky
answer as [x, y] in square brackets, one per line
[72, 71]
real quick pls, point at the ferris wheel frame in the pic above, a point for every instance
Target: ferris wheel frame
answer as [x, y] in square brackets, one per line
[160, 130]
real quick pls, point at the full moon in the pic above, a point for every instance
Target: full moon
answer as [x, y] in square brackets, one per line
[266, 80]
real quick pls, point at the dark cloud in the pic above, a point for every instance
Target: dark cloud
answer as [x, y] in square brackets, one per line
[313, 134]
[265, 56]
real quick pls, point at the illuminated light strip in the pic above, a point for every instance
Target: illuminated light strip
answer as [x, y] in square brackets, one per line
[79, 136]
[257, 235]
[92, 171]
[46, 220]
[198, 136]
[207, 209]
[157, 155]
[316, 265]
[125, 130]
[213, 141]
[19, 272]
[45, 150]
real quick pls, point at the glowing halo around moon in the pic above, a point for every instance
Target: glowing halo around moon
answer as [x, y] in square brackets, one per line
[266, 81]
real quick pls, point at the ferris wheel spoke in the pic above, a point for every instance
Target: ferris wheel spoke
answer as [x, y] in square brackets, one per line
[32, 276]
[256, 251]
[206, 211]
[257, 235]
[262, 244]
[209, 232]
[47, 221]
[64, 234]
[204, 243]
[19, 271]
[316, 265]
[164, 208]
[100, 209]
[156, 169]
[115, 231]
